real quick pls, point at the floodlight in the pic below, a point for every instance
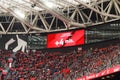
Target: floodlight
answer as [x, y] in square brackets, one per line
[86, 1]
[20, 13]
[48, 3]
[20, 1]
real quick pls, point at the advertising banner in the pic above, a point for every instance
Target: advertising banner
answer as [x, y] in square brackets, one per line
[102, 73]
[14, 42]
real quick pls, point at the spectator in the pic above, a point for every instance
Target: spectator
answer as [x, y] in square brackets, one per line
[38, 65]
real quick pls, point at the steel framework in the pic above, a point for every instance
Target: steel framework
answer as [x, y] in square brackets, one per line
[66, 14]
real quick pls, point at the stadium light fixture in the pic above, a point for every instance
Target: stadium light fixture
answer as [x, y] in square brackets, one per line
[86, 1]
[19, 13]
[48, 3]
[20, 1]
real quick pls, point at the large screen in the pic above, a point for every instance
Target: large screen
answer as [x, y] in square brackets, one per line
[36, 42]
[64, 39]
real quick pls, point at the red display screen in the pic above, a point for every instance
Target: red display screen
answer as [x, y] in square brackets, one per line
[63, 39]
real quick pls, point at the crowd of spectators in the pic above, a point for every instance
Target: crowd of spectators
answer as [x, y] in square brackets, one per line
[39, 65]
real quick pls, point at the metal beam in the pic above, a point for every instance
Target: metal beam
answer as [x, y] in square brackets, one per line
[60, 16]
[19, 18]
[101, 13]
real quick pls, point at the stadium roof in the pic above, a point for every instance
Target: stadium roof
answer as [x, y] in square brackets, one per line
[36, 16]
